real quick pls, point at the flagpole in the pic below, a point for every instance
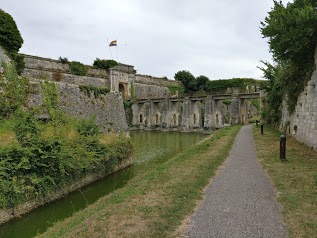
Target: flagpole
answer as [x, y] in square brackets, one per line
[117, 52]
[109, 48]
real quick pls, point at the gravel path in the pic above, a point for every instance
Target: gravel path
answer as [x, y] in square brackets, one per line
[240, 201]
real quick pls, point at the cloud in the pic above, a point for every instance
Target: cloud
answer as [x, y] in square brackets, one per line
[220, 39]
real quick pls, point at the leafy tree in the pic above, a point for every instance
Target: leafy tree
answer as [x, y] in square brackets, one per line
[188, 80]
[201, 82]
[104, 64]
[292, 36]
[10, 37]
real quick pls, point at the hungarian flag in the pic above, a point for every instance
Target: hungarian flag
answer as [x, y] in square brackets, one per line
[113, 43]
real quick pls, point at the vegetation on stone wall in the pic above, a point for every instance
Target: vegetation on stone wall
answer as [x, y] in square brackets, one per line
[78, 68]
[176, 89]
[202, 83]
[63, 60]
[13, 91]
[36, 157]
[292, 36]
[90, 90]
[104, 64]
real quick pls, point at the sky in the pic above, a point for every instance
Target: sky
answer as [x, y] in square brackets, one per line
[218, 39]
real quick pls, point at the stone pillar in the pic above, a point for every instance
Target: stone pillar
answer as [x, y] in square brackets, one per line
[243, 111]
[208, 113]
[186, 115]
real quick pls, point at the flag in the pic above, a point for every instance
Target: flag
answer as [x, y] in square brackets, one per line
[113, 43]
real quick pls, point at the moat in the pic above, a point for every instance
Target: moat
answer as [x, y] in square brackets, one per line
[151, 148]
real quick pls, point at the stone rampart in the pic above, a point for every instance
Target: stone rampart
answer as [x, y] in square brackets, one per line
[108, 109]
[145, 91]
[150, 80]
[54, 70]
[302, 124]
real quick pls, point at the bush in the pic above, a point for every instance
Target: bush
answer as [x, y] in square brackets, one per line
[63, 60]
[104, 64]
[19, 63]
[10, 37]
[78, 68]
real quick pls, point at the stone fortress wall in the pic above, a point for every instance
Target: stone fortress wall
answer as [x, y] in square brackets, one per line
[302, 124]
[118, 79]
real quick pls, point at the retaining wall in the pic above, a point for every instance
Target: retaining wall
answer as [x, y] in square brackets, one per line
[302, 124]
[108, 109]
[9, 214]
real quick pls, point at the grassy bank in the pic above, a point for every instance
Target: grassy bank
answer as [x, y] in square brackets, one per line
[155, 203]
[295, 180]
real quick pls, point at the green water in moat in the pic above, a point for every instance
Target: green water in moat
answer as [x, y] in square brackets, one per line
[151, 148]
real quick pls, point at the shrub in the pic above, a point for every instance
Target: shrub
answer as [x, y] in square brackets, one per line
[78, 68]
[104, 64]
[19, 63]
[63, 60]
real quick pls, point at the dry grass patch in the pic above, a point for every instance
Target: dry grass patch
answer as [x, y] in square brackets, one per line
[295, 180]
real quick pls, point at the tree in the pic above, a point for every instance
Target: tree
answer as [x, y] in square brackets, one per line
[10, 37]
[201, 82]
[292, 36]
[188, 80]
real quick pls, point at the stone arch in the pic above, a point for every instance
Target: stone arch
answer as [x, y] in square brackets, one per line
[123, 89]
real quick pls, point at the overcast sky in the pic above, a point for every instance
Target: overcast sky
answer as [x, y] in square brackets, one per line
[217, 38]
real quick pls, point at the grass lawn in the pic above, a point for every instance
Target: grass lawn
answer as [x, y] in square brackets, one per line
[295, 180]
[155, 203]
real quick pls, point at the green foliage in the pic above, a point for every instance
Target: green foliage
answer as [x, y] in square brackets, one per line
[104, 64]
[188, 80]
[88, 127]
[10, 37]
[201, 82]
[13, 91]
[292, 36]
[216, 85]
[256, 103]
[132, 90]
[47, 156]
[227, 102]
[127, 104]
[19, 63]
[50, 95]
[63, 60]
[174, 88]
[78, 68]
[96, 91]
[274, 88]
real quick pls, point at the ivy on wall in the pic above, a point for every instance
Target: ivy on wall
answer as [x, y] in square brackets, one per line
[90, 90]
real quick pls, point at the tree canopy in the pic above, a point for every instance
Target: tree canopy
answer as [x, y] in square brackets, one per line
[292, 36]
[10, 37]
